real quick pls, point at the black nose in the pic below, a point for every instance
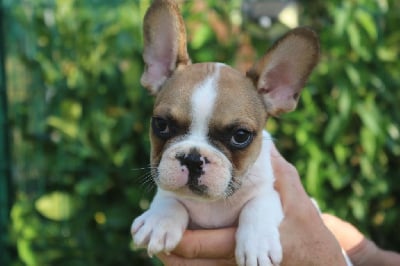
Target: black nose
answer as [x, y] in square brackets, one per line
[193, 162]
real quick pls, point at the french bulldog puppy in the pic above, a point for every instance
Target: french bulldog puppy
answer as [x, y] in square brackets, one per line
[210, 154]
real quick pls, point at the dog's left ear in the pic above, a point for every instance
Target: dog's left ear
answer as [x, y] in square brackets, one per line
[282, 72]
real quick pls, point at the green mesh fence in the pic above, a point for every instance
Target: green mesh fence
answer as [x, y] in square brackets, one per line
[6, 190]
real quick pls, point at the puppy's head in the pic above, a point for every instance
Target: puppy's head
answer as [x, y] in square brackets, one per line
[206, 129]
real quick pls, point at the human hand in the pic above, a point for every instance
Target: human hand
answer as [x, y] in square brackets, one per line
[203, 248]
[362, 251]
[304, 237]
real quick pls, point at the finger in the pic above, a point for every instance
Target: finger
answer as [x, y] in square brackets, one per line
[348, 236]
[209, 244]
[357, 246]
[173, 260]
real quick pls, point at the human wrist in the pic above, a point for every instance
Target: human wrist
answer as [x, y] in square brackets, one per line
[366, 253]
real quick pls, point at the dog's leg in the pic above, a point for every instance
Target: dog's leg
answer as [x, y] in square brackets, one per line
[161, 227]
[257, 238]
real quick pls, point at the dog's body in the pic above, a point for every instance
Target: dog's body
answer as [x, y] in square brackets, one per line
[225, 211]
[210, 152]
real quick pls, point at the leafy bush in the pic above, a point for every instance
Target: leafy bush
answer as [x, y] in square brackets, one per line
[80, 118]
[351, 138]
[80, 131]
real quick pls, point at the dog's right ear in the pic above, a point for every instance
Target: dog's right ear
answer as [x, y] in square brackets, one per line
[281, 73]
[164, 44]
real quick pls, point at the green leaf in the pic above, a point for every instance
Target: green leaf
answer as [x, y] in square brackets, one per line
[120, 156]
[342, 17]
[71, 109]
[388, 54]
[369, 144]
[341, 153]
[370, 116]
[333, 130]
[353, 34]
[313, 180]
[93, 185]
[358, 208]
[367, 21]
[201, 36]
[66, 127]
[26, 253]
[353, 74]
[345, 102]
[57, 205]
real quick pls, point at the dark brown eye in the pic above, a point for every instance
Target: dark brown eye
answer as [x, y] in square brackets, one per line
[161, 127]
[241, 138]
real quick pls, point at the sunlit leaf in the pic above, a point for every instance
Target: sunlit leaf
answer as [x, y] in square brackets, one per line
[201, 35]
[342, 18]
[341, 153]
[26, 252]
[353, 33]
[313, 172]
[69, 128]
[388, 54]
[71, 109]
[353, 75]
[368, 22]
[345, 102]
[370, 116]
[57, 205]
[358, 208]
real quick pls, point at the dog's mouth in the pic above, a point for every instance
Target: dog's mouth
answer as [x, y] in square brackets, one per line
[196, 174]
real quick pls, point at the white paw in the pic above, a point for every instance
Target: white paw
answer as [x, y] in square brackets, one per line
[254, 248]
[157, 232]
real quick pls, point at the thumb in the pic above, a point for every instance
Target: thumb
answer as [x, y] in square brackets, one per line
[348, 236]
[173, 260]
[218, 243]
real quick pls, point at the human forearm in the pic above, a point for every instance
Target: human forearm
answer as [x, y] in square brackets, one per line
[388, 258]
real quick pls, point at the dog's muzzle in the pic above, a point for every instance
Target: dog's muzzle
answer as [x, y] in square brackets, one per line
[194, 162]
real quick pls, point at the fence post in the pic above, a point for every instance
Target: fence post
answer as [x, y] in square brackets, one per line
[5, 168]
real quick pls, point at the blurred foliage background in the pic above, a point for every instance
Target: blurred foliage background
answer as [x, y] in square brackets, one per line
[79, 118]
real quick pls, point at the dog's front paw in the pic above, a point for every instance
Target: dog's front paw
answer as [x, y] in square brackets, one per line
[160, 233]
[258, 248]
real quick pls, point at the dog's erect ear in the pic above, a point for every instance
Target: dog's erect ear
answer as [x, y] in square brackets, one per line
[164, 43]
[281, 73]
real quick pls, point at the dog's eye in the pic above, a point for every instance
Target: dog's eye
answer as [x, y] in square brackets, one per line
[161, 127]
[241, 139]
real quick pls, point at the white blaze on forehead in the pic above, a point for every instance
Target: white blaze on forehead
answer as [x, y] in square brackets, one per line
[203, 101]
